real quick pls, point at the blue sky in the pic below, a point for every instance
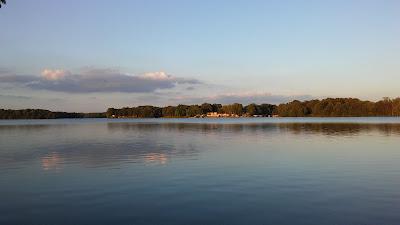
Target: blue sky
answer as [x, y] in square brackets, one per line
[89, 55]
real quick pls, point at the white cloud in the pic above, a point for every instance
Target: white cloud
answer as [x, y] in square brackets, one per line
[157, 76]
[57, 74]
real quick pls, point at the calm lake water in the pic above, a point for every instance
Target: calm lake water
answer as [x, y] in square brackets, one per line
[200, 171]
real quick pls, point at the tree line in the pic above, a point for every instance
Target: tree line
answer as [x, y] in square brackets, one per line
[340, 107]
[329, 107]
[44, 114]
[184, 111]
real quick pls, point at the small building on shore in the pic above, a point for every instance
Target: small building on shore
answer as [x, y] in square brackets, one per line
[217, 115]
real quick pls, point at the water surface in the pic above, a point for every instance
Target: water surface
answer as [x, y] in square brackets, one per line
[200, 171]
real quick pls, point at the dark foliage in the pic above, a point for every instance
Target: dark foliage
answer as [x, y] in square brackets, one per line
[339, 107]
[44, 114]
[182, 111]
[330, 107]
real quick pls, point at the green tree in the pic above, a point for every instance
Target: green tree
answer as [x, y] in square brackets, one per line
[168, 111]
[193, 110]
[206, 108]
[110, 112]
[384, 107]
[216, 107]
[266, 109]
[396, 107]
[180, 111]
[251, 109]
[236, 109]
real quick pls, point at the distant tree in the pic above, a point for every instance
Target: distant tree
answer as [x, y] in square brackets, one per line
[206, 108]
[396, 107]
[266, 109]
[252, 109]
[293, 109]
[328, 107]
[44, 114]
[235, 108]
[216, 107]
[193, 110]
[168, 111]
[148, 111]
[238, 109]
[384, 107]
[180, 111]
[110, 112]
[341, 107]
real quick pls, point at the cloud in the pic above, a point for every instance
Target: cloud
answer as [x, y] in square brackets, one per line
[50, 74]
[244, 98]
[96, 80]
[17, 79]
[15, 97]
[156, 76]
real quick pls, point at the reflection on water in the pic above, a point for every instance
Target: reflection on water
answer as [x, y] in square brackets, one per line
[156, 158]
[330, 129]
[52, 161]
[115, 143]
[211, 172]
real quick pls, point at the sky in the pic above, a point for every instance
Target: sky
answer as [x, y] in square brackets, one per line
[90, 55]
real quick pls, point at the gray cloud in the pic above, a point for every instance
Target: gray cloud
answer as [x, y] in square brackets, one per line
[15, 97]
[90, 81]
[17, 79]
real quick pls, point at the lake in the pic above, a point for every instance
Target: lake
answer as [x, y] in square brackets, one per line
[200, 171]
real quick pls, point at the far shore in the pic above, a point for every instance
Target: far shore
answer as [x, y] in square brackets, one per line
[329, 107]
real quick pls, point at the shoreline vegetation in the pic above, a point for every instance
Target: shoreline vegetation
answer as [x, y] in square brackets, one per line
[45, 114]
[329, 107]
